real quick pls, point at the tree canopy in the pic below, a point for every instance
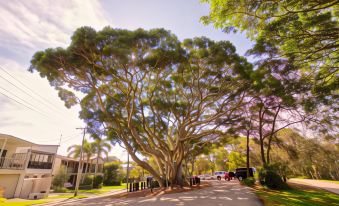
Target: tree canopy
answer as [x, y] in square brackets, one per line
[158, 96]
[303, 35]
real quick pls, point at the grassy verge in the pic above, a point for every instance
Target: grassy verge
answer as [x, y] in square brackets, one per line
[297, 196]
[22, 203]
[330, 181]
[104, 189]
[66, 196]
[305, 178]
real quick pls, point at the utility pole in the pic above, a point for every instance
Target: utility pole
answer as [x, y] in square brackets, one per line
[3, 147]
[127, 173]
[60, 139]
[80, 164]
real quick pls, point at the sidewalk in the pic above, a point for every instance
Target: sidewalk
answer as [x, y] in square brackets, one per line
[332, 187]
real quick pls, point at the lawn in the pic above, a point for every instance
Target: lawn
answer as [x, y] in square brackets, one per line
[330, 181]
[305, 178]
[41, 201]
[104, 189]
[22, 203]
[68, 196]
[297, 196]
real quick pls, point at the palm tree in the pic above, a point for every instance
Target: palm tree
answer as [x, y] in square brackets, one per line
[102, 148]
[88, 152]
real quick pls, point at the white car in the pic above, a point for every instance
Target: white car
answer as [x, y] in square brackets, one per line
[208, 177]
[219, 174]
[205, 177]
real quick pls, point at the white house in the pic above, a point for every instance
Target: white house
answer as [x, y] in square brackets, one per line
[25, 167]
[71, 165]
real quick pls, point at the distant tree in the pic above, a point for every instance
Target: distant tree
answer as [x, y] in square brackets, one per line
[112, 174]
[235, 160]
[148, 90]
[102, 147]
[203, 165]
[88, 152]
[220, 158]
[59, 180]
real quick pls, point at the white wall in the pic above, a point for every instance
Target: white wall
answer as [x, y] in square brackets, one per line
[9, 182]
[46, 148]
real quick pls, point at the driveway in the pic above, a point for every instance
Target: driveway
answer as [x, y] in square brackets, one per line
[221, 193]
[332, 187]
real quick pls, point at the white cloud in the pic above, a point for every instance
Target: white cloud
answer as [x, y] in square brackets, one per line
[30, 25]
[27, 26]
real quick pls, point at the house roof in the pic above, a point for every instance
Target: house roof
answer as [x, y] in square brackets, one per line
[74, 159]
[12, 140]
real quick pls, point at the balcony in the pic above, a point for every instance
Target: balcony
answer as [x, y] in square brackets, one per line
[12, 163]
[39, 165]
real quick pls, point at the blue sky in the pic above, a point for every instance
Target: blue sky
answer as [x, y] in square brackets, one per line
[28, 26]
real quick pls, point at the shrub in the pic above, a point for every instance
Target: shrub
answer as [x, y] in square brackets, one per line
[112, 176]
[97, 181]
[248, 181]
[269, 177]
[87, 180]
[59, 189]
[60, 179]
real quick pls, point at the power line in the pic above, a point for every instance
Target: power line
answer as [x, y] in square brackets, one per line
[68, 139]
[25, 86]
[17, 96]
[23, 104]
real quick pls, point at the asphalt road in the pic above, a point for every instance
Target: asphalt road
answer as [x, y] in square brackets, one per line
[221, 193]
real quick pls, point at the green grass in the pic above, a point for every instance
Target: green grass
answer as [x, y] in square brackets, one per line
[68, 196]
[22, 203]
[4, 202]
[330, 181]
[297, 197]
[306, 178]
[104, 189]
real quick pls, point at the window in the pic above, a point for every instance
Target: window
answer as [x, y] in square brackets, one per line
[40, 161]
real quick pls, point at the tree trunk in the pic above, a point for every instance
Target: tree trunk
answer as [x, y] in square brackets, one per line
[269, 150]
[248, 153]
[261, 138]
[96, 166]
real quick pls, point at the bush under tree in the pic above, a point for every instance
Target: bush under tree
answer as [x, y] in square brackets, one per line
[268, 176]
[112, 175]
[59, 180]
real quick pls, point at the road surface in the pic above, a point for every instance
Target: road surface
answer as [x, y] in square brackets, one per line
[219, 194]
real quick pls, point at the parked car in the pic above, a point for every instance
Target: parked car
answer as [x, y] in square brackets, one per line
[208, 176]
[241, 173]
[227, 177]
[218, 175]
[205, 177]
[231, 175]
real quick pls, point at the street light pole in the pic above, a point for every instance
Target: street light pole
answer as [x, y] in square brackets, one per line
[127, 173]
[80, 165]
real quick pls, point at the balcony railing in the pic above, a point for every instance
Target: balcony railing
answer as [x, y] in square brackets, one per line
[39, 165]
[12, 163]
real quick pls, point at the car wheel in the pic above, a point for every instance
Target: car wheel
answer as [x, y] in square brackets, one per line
[219, 178]
[240, 178]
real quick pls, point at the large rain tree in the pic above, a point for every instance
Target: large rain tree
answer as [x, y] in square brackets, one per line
[157, 96]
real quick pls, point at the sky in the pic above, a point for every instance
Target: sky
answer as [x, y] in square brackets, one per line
[29, 107]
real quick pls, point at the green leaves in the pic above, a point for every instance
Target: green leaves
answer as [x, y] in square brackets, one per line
[302, 34]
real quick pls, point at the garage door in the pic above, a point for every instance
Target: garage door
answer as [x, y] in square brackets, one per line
[8, 183]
